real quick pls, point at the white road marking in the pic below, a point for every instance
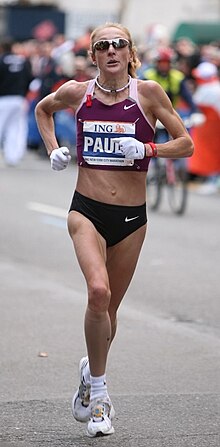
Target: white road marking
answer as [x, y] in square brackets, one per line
[47, 209]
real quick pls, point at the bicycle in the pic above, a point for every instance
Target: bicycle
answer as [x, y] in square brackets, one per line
[170, 173]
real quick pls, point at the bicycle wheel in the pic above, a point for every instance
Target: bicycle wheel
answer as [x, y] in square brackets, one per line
[177, 185]
[154, 185]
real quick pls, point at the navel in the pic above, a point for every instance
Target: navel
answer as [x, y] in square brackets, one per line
[113, 192]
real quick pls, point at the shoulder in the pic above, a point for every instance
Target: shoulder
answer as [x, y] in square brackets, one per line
[149, 87]
[71, 92]
[153, 98]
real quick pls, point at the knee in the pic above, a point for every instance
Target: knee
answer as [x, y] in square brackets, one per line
[99, 297]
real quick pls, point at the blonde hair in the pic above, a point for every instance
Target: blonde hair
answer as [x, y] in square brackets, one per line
[135, 62]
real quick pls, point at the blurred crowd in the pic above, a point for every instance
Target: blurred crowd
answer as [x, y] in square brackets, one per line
[189, 73]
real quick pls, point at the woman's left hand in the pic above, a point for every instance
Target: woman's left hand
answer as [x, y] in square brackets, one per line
[130, 147]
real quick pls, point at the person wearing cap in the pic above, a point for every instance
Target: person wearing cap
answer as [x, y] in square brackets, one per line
[205, 161]
[170, 79]
[174, 83]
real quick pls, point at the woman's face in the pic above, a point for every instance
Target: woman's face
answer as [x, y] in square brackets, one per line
[111, 57]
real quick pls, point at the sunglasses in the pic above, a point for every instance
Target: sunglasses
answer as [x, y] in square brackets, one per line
[103, 45]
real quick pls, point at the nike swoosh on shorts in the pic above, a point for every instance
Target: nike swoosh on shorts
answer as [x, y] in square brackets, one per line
[128, 219]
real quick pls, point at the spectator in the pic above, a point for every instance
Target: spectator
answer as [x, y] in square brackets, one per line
[206, 159]
[50, 71]
[171, 79]
[15, 77]
[50, 76]
[174, 83]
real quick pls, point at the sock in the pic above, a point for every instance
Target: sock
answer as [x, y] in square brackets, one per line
[98, 387]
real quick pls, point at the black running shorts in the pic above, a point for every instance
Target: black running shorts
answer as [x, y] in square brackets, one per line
[113, 222]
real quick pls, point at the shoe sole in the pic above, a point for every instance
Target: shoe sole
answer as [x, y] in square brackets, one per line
[100, 434]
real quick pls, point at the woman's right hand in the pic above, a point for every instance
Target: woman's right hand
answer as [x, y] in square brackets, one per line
[60, 158]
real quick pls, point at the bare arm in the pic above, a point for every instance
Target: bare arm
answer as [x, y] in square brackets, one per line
[158, 106]
[68, 95]
[45, 122]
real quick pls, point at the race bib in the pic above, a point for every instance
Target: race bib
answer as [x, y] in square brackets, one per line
[99, 147]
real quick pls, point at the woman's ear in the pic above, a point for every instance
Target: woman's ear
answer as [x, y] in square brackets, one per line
[92, 56]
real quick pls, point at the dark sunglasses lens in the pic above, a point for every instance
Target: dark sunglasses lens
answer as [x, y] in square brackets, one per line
[101, 45]
[119, 43]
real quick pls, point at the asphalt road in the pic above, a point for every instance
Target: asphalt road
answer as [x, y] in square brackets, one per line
[164, 367]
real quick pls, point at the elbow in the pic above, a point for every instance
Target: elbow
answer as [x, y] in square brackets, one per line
[40, 106]
[190, 149]
[39, 111]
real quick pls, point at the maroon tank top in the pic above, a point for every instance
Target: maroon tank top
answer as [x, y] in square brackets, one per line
[98, 124]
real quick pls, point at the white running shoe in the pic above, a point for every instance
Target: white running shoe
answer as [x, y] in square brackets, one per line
[81, 399]
[102, 413]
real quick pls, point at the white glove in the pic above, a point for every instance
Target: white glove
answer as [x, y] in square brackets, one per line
[60, 158]
[130, 147]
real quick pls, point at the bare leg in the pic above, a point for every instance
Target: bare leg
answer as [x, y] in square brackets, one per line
[98, 335]
[108, 275]
[122, 258]
[91, 253]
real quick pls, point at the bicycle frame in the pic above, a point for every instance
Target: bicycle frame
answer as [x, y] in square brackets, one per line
[169, 173]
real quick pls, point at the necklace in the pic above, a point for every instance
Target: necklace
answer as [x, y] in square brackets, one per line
[113, 90]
